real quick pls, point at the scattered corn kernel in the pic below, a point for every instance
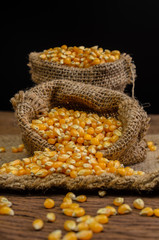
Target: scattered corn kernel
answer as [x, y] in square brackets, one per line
[156, 212]
[71, 195]
[49, 203]
[70, 236]
[84, 235]
[82, 226]
[147, 211]
[124, 209]
[70, 225]
[95, 226]
[6, 211]
[151, 146]
[78, 212]
[55, 235]
[81, 198]
[79, 57]
[2, 149]
[102, 193]
[108, 211]
[101, 219]
[118, 201]
[51, 217]
[138, 203]
[38, 224]
[83, 218]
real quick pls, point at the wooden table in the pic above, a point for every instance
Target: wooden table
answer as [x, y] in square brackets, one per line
[28, 206]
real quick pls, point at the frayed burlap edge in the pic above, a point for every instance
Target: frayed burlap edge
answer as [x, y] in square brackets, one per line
[146, 182]
[114, 75]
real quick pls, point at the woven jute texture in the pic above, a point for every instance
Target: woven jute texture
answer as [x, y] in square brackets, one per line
[114, 75]
[147, 182]
[130, 148]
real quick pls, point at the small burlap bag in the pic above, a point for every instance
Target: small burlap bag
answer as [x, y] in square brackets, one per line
[113, 75]
[129, 149]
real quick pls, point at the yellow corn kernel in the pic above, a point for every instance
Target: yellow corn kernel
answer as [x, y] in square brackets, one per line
[147, 211]
[156, 212]
[82, 226]
[51, 217]
[95, 226]
[2, 149]
[108, 211]
[49, 203]
[70, 236]
[138, 203]
[101, 219]
[74, 205]
[102, 193]
[81, 198]
[84, 235]
[6, 211]
[70, 225]
[83, 218]
[71, 195]
[42, 173]
[67, 200]
[55, 235]
[124, 209]
[68, 211]
[38, 224]
[78, 212]
[118, 201]
[14, 149]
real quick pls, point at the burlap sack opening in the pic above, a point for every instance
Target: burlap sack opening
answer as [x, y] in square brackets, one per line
[129, 149]
[147, 182]
[114, 75]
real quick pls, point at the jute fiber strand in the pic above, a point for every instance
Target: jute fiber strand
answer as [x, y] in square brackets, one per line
[147, 182]
[129, 149]
[113, 75]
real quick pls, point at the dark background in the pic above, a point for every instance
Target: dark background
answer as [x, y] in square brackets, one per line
[129, 26]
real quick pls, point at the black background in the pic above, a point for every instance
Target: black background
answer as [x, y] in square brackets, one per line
[129, 26]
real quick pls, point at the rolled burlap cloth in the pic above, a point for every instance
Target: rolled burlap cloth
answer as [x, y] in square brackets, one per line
[113, 75]
[129, 149]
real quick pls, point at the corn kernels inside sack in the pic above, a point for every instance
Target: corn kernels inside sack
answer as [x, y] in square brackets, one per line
[62, 127]
[80, 57]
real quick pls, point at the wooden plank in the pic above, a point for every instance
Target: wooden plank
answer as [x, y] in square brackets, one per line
[29, 206]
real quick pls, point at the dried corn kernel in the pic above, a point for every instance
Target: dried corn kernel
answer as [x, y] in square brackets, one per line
[118, 201]
[70, 236]
[151, 146]
[83, 218]
[38, 224]
[51, 217]
[95, 226]
[2, 149]
[102, 193]
[55, 235]
[108, 211]
[49, 203]
[156, 212]
[6, 211]
[124, 209]
[70, 225]
[138, 203]
[78, 212]
[71, 195]
[101, 219]
[84, 235]
[82, 226]
[81, 198]
[148, 211]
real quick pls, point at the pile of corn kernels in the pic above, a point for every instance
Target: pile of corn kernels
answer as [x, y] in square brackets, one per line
[80, 57]
[79, 139]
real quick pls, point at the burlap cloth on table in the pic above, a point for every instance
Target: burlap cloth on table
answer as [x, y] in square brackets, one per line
[114, 75]
[130, 148]
[148, 182]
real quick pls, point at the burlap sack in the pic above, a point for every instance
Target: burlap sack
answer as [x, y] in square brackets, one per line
[129, 149]
[147, 182]
[114, 75]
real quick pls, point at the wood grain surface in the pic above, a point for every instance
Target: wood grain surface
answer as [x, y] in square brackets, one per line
[28, 206]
